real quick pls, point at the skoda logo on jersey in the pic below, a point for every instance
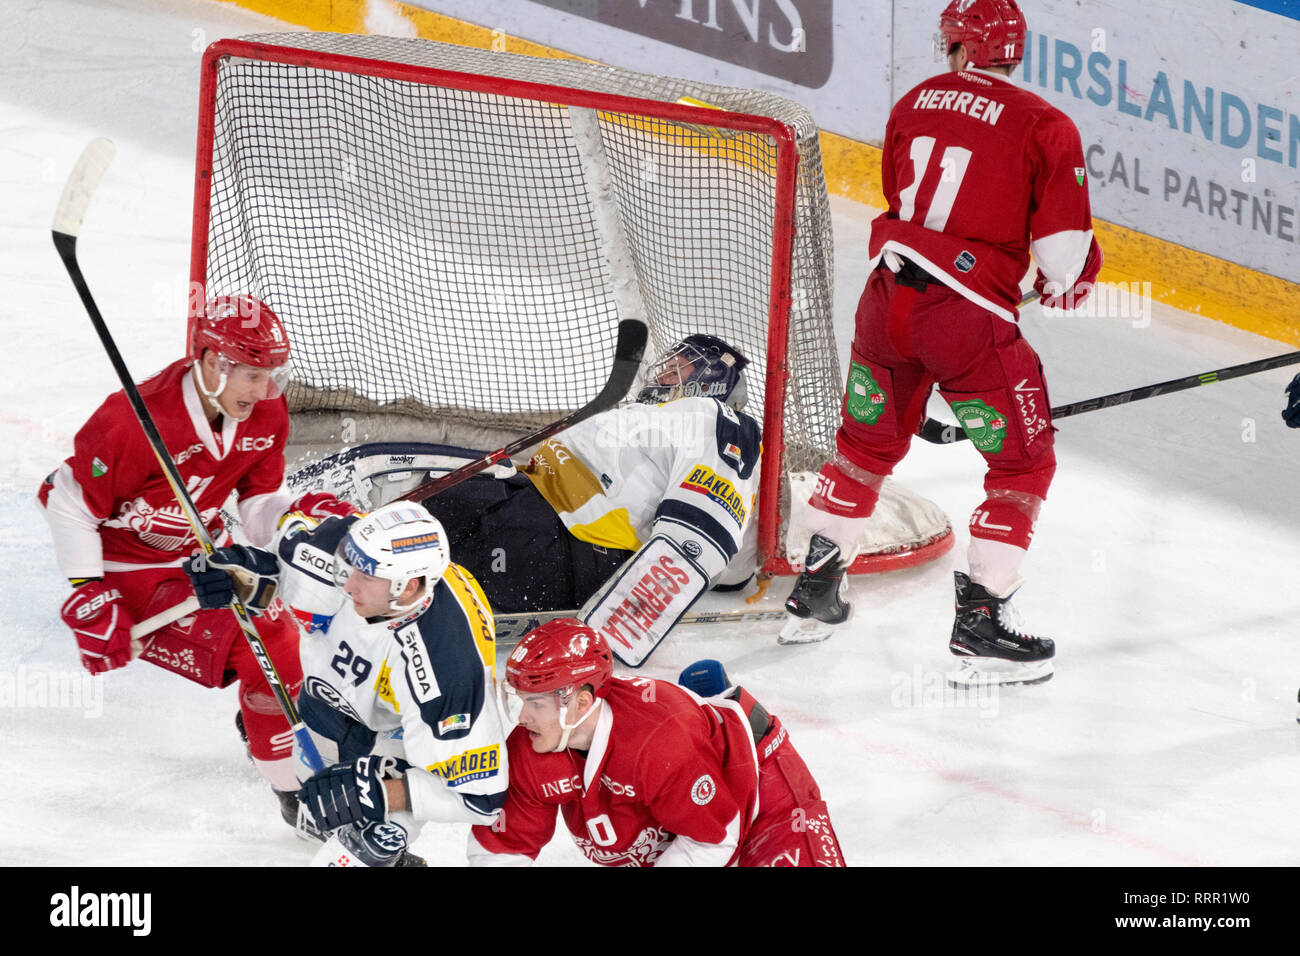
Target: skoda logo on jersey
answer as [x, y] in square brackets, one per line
[964, 262]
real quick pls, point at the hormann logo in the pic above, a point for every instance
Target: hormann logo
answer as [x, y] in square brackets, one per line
[415, 542]
[707, 482]
[789, 39]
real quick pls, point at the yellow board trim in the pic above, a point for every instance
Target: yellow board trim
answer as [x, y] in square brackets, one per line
[1180, 277]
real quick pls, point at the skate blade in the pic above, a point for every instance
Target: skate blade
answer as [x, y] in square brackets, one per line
[992, 671]
[804, 630]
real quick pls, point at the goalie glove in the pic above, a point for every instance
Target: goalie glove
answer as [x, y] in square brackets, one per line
[252, 573]
[351, 793]
[101, 624]
[1053, 297]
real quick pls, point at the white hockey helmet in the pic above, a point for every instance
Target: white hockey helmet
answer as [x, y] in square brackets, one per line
[400, 542]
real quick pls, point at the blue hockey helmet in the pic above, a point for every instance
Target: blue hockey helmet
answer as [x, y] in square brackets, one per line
[697, 366]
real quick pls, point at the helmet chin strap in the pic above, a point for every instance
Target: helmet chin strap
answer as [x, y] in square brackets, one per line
[568, 729]
[422, 596]
[203, 389]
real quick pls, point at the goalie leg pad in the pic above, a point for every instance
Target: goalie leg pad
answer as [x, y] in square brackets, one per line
[641, 604]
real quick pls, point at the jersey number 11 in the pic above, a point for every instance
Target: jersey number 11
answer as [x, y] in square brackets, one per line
[953, 164]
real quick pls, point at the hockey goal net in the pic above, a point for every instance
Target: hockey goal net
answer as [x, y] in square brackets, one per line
[451, 236]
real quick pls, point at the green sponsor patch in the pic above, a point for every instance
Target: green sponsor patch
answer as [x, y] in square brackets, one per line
[864, 399]
[98, 469]
[986, 427]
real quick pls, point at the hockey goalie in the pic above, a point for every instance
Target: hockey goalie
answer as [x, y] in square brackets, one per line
[630, 515]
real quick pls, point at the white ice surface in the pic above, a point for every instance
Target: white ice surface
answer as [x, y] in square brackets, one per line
[1162, 564]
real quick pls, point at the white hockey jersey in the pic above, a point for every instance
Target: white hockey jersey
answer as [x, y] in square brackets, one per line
[686, 469]
[425, 680]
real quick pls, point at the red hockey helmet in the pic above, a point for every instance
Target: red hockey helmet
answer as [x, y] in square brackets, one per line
[560, 654]
[243, 329]
[992, 31]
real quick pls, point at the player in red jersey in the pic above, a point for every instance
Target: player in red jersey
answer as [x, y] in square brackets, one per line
[120, 536]
[647, 773]
[978, 173]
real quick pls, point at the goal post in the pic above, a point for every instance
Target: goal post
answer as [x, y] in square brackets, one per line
[451, 236]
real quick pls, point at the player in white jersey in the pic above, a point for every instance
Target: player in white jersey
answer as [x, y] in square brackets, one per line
[654, 502]
[398, 660]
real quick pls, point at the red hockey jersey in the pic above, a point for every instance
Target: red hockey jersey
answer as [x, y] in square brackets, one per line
[664, 763]
[974, 166]
[114, 489]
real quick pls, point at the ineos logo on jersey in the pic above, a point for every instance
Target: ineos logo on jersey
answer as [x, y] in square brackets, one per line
[556, 788]
[255, 444]
[188, 452]
[616, 788]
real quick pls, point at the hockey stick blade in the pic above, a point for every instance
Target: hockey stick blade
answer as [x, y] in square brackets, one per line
[81, 185]
[77, 194]
[939, 433]
[628, 349]
[510, 628]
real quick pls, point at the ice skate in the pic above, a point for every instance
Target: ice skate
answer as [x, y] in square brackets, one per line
[818, 602]
[994, 647]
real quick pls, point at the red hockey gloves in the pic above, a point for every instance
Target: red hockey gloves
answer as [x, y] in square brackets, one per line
[1079, 292]
[102, 625]
[321, 504]
[350, 793]
[217, 576]
[1291, 414]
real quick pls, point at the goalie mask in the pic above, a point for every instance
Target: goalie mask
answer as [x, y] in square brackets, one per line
[698, 366]
[400, 543]
[556, 660]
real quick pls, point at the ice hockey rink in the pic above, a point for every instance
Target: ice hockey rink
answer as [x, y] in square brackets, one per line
[1164, 565]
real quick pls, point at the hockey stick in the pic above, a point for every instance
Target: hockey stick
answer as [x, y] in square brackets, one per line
[67, 224]
[941, 434]
[510, 628]
[632, 334]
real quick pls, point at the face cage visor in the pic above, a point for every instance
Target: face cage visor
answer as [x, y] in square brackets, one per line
[513, 702]
[232, 372]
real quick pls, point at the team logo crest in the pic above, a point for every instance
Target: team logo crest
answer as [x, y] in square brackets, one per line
[965, 262]
[703, 790]
[864, 400]
[985, 426]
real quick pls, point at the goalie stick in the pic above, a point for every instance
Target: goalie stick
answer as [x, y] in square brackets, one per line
[510, 628]
[939, 433]
[632, 334]
[68, 217]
